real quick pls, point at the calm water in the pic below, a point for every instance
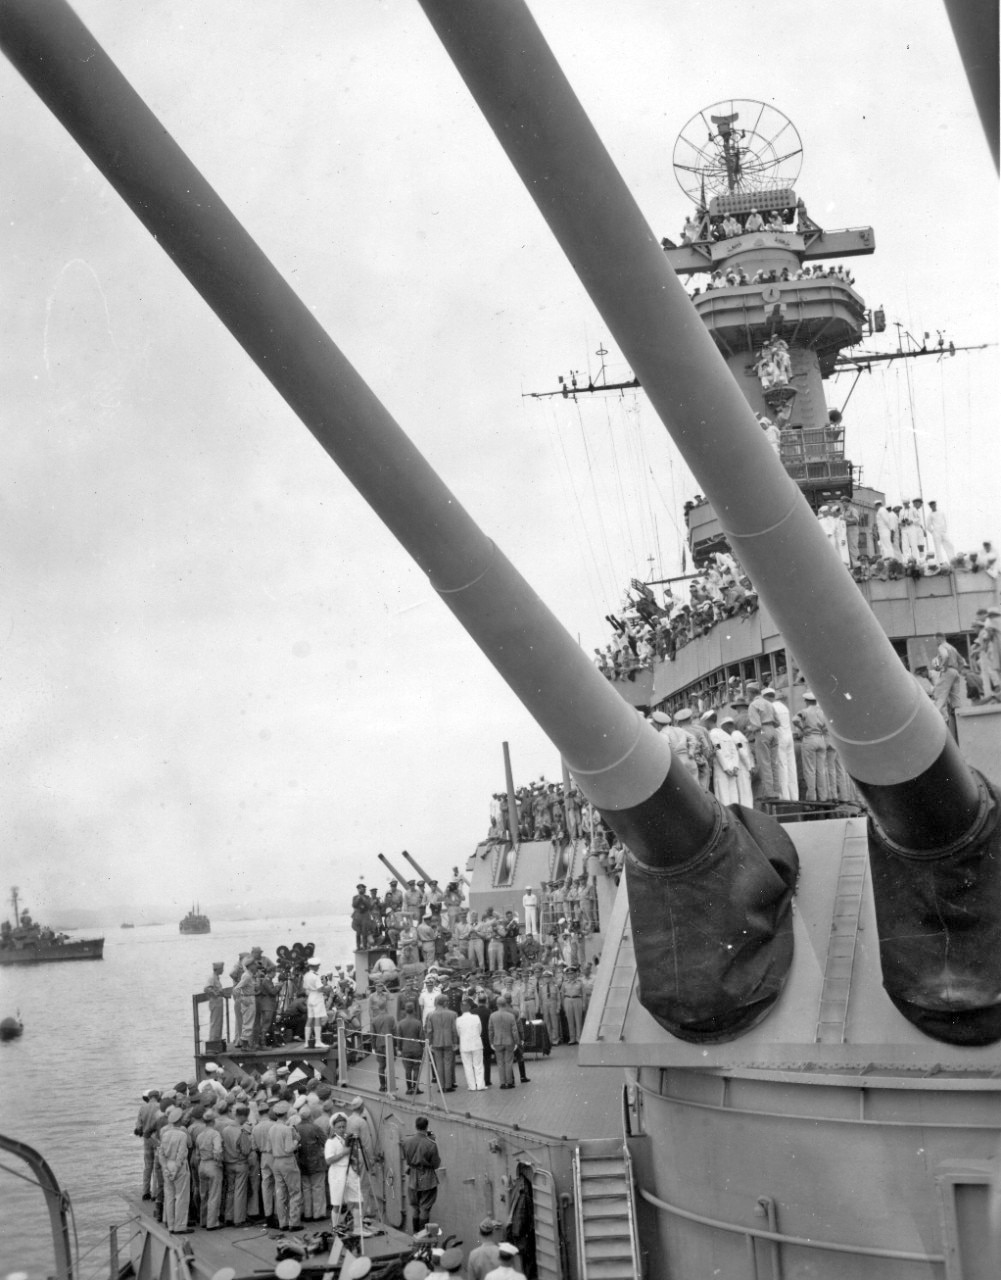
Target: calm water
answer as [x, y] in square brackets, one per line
[96, 1034]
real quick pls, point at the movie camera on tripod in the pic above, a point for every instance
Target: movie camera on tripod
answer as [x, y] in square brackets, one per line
[292, 962]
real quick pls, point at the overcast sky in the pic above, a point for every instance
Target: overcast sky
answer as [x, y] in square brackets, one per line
[221, 677]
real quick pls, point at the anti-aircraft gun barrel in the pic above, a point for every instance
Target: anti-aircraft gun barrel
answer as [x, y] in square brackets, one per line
[392, 870]
[417, 867]
[721, 971]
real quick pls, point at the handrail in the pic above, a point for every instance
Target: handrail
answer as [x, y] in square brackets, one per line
[804, 1242]
[57, 1202]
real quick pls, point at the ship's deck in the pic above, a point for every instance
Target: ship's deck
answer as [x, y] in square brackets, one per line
[247, 1249]
[562, 1099]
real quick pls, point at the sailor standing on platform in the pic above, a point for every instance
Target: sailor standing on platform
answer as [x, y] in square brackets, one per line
[215, 992]
[745, 794]
[788, 782]
[259, 1137]
[884, 532]
[765, 725]
[573, 1003]
[316, 1007]
[175, 1173]
[393, 901]
[284, 1140]
[531, 904]
[413, 900]
[245, 1001]
[813, 726]
[726, 761]
[939, 534]
[209, 1146]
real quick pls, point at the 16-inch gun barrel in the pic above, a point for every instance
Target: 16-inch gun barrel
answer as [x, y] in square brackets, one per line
[723, 965]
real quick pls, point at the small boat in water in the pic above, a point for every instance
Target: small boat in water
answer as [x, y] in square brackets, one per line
[128, 926]
[195, 922]
[23, 941]
[11, 1028]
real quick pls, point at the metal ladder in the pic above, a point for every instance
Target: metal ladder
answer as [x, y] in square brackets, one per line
[832, 1017]
[622, 984]
[605, 1212]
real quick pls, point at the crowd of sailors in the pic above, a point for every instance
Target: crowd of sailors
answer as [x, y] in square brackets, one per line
[736, 277]
[278, 1149]
[544, 811]
[275, 1146]
[649, 630]
[700, 227]
[910, 538]
[421, 933]
[756, 750]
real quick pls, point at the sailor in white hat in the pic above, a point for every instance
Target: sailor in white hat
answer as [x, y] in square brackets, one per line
[506, 1269]
[813, 748]
[530, 902]
[787, 779]
[316, 1008]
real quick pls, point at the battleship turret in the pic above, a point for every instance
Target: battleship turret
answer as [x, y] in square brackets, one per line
[712, 887]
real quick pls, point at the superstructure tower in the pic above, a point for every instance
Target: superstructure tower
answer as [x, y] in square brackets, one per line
[777, 307]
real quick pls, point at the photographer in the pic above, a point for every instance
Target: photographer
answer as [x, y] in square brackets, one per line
[420, 1150]
[343, 1157]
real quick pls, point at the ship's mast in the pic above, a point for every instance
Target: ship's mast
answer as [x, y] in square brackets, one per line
[17, 914]
[779, 322]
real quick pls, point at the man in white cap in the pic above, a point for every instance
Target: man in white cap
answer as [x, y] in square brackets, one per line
[908, 533]
[683, 744]
[726, 761]
[764, 724]
[745, 761]
[284, 1141]
[949, 684]
[506, 1269]
[210, 1172]
[813, 726]
[215, 992]
[884, 531]
[175, 1173]
[988, 653]
[829, 523]
[530, 902]
[939, 533]
[787, 779]
[316, 1006]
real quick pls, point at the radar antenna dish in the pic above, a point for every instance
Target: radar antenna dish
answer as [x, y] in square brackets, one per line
[738, 145]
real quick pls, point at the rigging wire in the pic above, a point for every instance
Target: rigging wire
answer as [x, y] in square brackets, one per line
[598, 506]
[945, 427]
[914, 433]
[624, 506]
[594, 583]
[648, 469]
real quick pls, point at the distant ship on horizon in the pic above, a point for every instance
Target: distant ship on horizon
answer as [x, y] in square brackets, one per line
[196, 922]
[26, 942]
